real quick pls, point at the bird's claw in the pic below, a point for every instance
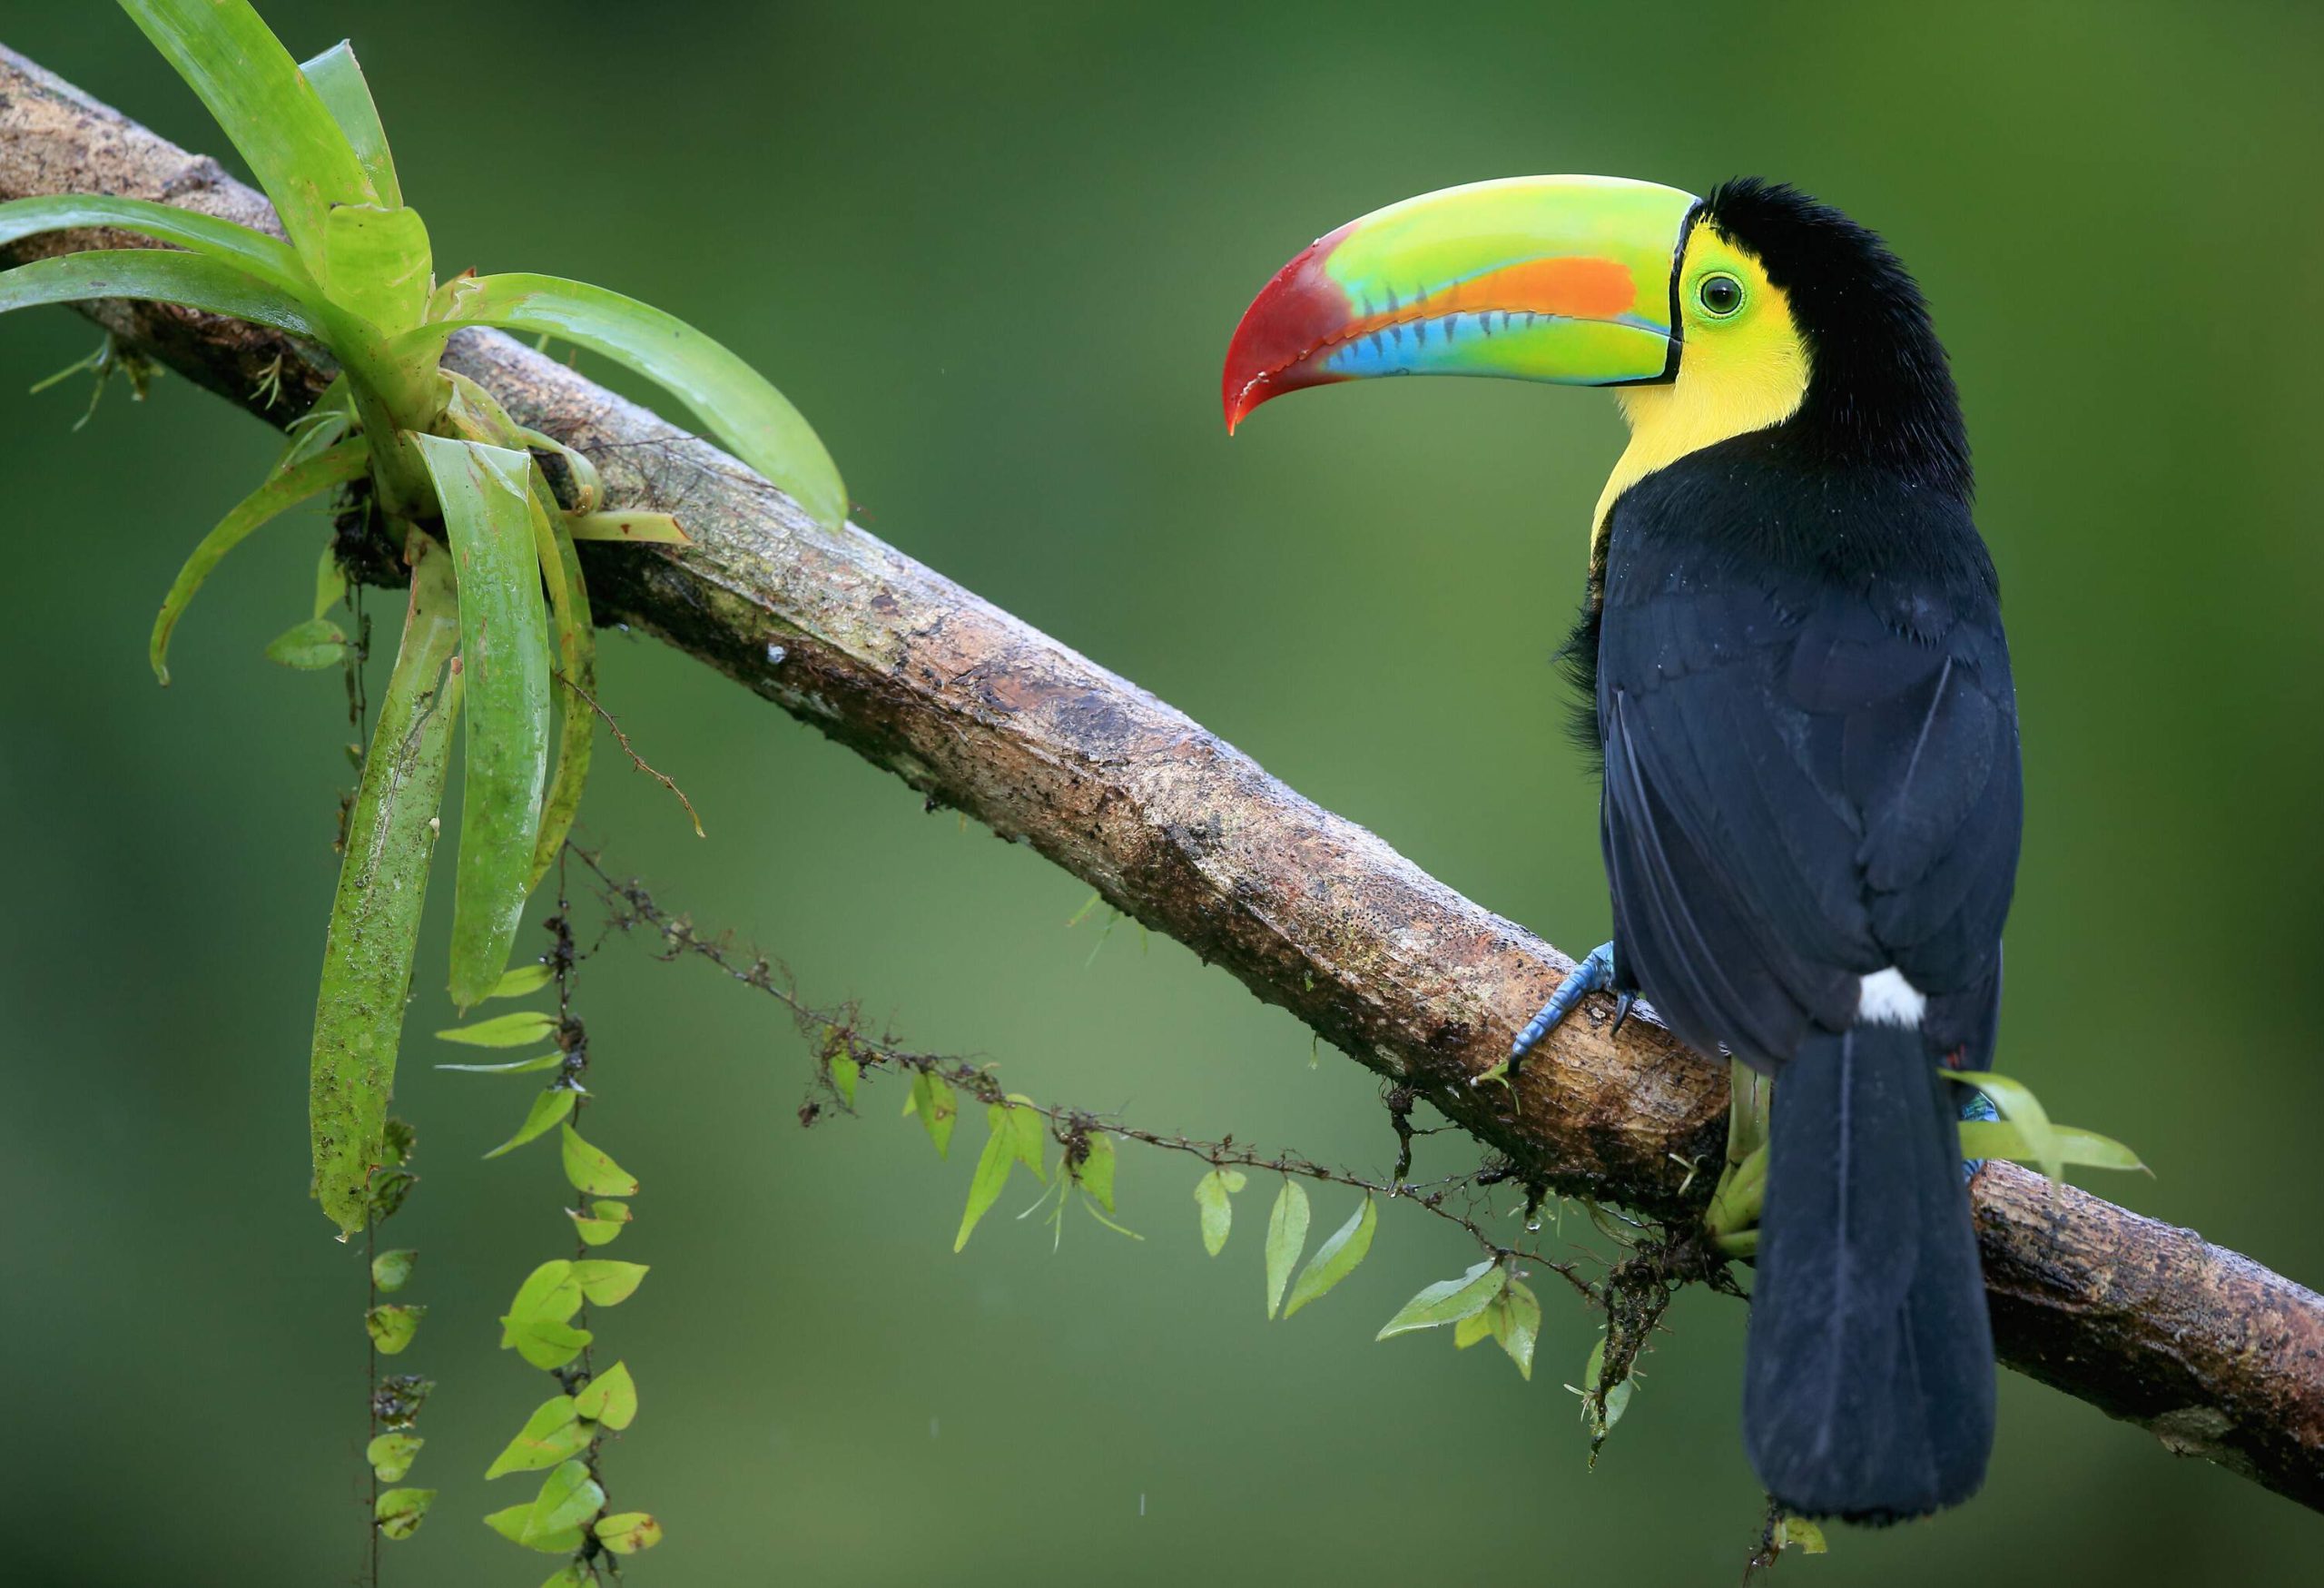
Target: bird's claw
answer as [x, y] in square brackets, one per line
[1594, 974]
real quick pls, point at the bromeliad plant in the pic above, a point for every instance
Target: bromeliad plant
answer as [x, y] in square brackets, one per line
[498, 615]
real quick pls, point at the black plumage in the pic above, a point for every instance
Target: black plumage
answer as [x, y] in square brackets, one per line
[1801, 690]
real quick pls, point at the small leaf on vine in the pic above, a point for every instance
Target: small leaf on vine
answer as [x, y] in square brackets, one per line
[1286, 1234]
[601, 1229]
[512, 1030]
[393, 1327]
[628, 1532]
[1094, 1172]
[523, 979]
[315, 644]
[553, 1434]
[592, 1171]
[1798, 1533]
[1211, 1194]
[390, 1456]
[991, 1178]
[934, 1100]
[549, 1109]
[1516, 1320]
[610, 1398]
[1337, 1259]
[607, 1282]
[330, 582]
[569, 1498]
[571, 1576]
[547, 1345]
[390, 1270]
[399, 1511]
[1023, 1124]
[1449, 1300]
[1476, 1326]
[843, 1071]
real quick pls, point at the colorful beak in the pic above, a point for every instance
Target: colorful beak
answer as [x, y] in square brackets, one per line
[1566, 279]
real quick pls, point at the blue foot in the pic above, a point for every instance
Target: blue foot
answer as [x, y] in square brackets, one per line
[1594, 974]
[1976, 1106]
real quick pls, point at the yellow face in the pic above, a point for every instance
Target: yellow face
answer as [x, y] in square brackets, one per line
[1743, 367]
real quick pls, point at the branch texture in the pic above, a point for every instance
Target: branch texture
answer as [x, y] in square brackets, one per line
[2215, 1355]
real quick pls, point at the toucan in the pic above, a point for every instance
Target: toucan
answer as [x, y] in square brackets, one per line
[1794, 676]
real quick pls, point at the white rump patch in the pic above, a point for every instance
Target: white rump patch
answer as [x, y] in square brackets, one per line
[1888, 999]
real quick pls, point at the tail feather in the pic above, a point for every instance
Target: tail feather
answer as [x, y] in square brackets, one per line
[1868, 1388]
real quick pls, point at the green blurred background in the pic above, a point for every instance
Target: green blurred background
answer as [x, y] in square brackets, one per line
[995, 253]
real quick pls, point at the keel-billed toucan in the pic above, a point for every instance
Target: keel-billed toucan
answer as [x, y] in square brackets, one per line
[1792, 648]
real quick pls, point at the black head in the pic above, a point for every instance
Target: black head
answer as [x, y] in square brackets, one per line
[1879, 388]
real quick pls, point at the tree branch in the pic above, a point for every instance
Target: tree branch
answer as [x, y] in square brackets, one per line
[2215, 1355]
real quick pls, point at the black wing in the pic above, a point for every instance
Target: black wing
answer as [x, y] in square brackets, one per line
[1811, 756]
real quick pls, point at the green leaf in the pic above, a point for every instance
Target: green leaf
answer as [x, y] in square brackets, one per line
[932, 1098]
[1211, 1195]
[569, 1498]
[576, 659]
[643, 528]
[399, 1512]
[1028, 1132]
[1617, 1396]
[331, 581]
[610, 1399]
[512, 1030]
[485, 496]
[535, 1326]
[1335, 1259]
[1516, 1322]
[1095, 1173]
[991, 1178]
[607, 1282]
[391, 1455]
[592, 1171]
[754, 420]
[547, 1345]
[1798, 1533]
[308, 646]
[551, 1435]
[1286, 1235]
[342, 463]
[513, 1067]
[339, 83]
[550, 1108]
[568, 1576]
[1449, 1300]
[264, 104]
[627, 1532]
[391, 1328]
[1475, 1327]
[601, 1229]
[193, 279]
[376, 265]
[375, 913]
[255, 253]
[549, 1291]
[844, 1070]
[2000, 1138]
[392, 1270]
[2021, 1109]
[523, 979]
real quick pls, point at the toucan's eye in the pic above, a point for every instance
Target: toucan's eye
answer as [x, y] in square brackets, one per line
[1720, 295]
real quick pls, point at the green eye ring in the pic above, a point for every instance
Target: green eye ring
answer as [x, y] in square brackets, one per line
[1720, 295]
